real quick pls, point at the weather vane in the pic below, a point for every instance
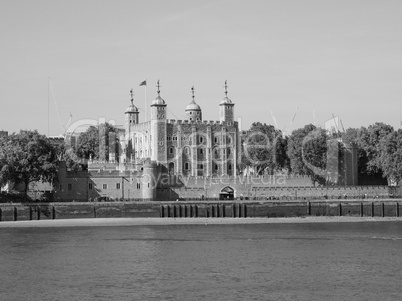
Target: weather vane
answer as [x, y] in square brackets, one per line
[132, 96]
[193, 92]
[158, 86]
[226, 88]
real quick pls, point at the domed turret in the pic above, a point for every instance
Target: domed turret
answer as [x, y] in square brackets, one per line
[158, 101]
[226, 113]
[131, 109]
[193, 110]
[226, 100]
[158, 107]
[131, 113]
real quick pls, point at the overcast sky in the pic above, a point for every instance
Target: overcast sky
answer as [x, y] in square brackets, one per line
[322, 57]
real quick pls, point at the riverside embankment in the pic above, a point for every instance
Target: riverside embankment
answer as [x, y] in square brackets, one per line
[206, 209]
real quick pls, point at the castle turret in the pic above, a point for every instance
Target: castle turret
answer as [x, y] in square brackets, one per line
[158, 129]
[193, 110]
[131, 114]
[226, 107]
[149, 180]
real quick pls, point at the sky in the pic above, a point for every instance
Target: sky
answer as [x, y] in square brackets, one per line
[301, 60]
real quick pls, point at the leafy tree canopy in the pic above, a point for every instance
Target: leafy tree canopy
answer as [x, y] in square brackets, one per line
[26, 157]
[263, 149]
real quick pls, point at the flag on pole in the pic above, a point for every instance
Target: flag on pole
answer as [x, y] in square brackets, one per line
[144, 83]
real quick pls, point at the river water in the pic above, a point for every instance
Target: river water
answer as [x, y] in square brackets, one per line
[311, 261]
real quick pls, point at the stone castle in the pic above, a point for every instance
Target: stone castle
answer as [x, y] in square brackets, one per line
[158, 149]
[163, 159]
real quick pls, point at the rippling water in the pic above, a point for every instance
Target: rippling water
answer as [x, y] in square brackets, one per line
[331, 261]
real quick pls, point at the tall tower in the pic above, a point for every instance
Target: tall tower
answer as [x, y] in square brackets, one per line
[226, 107]
[158, 129]
[131, 118]
[131, 114]
[193, 110]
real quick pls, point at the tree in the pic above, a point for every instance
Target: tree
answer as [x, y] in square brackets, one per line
[68, 155]
[27, 157]
[370, 142]
[307, 148]
[94, 142]
[391, 156]
[262, 147]
[88, 144]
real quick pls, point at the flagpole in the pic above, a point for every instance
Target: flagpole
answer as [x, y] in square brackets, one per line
[146, 111]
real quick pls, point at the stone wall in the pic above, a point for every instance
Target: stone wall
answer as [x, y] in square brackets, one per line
[370, 208]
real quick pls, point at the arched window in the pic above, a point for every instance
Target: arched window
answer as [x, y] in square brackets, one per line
[170, 150]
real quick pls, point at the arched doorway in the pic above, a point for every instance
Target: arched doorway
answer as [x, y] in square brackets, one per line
[227, 193]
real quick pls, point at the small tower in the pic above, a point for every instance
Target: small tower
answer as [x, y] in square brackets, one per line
[193, 110]
[158, 106]
[226, 112]
[131, 113]
[158, 129]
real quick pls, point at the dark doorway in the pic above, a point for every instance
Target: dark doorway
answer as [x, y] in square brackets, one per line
[227, 193]
[171, 168]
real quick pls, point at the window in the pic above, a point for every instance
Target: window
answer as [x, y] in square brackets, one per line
[228, 151]
[230, 166]
[175, 138]
[104, 186]
[90, 186]
[201, 139]
[117, 185]
[69, 186]
[171, 150]
[216, 139]
[216, 166]
[186, 166]
[201, 151]
[201, 166]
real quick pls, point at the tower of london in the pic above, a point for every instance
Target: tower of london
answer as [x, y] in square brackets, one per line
[190, 147]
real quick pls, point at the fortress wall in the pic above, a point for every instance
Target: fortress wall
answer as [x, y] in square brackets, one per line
[19, 212]
[263, 193]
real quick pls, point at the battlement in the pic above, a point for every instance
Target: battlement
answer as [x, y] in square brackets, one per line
[204, 122]
[141, 126]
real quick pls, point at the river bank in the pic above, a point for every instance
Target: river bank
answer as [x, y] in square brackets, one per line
[108, 222]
